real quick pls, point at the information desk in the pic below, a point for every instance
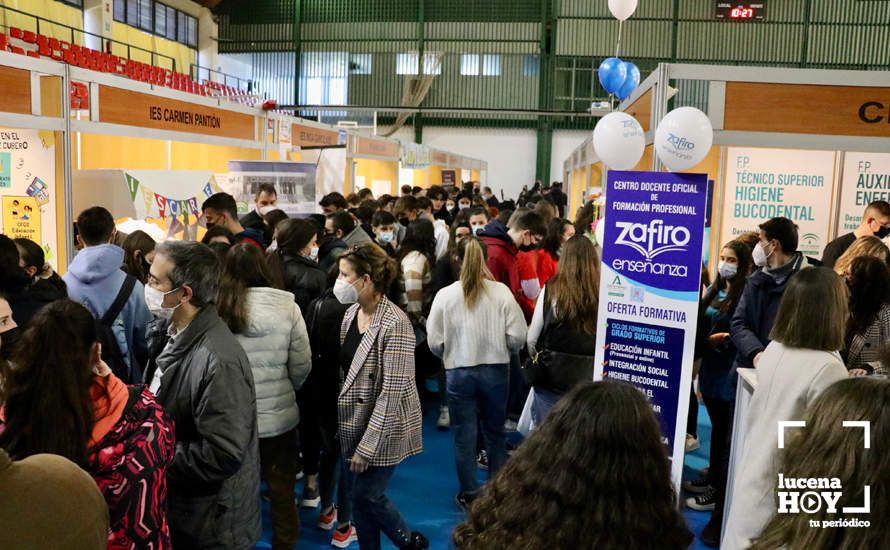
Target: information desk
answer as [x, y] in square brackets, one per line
[744, 393]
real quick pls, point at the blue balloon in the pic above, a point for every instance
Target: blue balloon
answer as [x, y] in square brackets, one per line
[630, 83]
[612, 73]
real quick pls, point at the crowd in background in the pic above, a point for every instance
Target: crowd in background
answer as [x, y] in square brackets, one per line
[178, 375]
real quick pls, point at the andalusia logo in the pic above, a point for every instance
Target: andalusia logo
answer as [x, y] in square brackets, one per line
[811, 495]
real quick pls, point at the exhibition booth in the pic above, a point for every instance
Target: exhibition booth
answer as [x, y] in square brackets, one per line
[424, 166]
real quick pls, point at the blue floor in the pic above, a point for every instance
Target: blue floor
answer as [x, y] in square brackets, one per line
[424, 486]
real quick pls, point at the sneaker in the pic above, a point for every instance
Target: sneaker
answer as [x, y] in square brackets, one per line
[692, 444]
[697, 486]
[704, 502]
[418, 542]
[310, 498]
[344, 537]
[482, 460]
[510, 426]
[444, 421]
[327, 521]
[464, 501]
[299, 475]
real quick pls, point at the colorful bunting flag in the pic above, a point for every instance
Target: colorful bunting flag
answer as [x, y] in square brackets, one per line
[208, 190]
[161, 201]
[193, 205]
[133, 184]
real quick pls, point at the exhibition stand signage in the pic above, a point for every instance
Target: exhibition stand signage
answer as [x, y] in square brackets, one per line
[649, 292]
[866, 179]
[770, 183]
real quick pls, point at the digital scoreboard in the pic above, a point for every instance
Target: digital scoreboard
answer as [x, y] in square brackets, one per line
[740, 11]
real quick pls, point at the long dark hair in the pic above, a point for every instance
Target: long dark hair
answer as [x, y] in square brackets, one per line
[244, 268]
[736, 284]
[869, 284]
[293, 236]
[47, 399]
[607, 482]
[828, 449]
[576, 285]
[12, 277]
[32, 255]
[552, 243]
[137, 241]
[420, 237]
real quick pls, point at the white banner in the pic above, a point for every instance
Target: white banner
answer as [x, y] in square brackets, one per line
[866, 179]
[769, 183]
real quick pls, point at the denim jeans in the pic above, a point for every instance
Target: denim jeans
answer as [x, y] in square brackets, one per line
[334, 475]
[543, 402]
[373, 512]
[482, 388]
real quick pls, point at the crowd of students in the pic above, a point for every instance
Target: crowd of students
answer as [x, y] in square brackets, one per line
[178, 375]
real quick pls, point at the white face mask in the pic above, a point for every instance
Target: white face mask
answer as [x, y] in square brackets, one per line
[272, 247]
[313, 253]
[760, 256]
[345, 292]
[263, 210]
[463, 206]
[154, 299]
[727, 270]
[478, 229]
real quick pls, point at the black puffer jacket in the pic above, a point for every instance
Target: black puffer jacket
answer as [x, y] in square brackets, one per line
[207, 387]
[304, 279]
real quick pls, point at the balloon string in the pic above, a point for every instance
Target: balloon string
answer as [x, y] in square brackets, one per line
[618, 44]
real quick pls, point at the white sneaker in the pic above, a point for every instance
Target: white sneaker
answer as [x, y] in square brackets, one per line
[343, 540]
[444, 421]
[692, 444]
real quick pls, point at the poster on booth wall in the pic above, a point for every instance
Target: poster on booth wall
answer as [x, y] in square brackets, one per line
[866, 179]
[294, 182]
[771, 183]
[27, 180]
[649, 292]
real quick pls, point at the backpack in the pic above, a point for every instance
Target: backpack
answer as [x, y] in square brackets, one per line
[111, 351]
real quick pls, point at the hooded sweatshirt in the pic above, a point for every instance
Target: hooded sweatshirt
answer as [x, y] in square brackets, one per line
[502, 253]
[94, 279]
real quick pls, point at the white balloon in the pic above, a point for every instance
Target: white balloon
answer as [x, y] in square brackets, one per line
[619, 141]
[600, 231]
[683, 138]
[622, 9]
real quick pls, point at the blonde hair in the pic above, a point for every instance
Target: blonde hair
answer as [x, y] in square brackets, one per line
[814, 310]
[474, 270]
[863, 246]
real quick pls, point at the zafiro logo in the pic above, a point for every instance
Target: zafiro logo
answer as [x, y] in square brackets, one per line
[815, 495]
[680, 143]
[653, 239]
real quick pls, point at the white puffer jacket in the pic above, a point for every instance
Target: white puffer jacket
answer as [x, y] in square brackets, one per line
[277, 345]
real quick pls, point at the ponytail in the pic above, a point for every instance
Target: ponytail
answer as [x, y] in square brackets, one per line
[473, 271]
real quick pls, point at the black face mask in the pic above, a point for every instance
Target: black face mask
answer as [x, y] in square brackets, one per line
[528, 247]
[882, 232]
[8, 342]
[404, 221]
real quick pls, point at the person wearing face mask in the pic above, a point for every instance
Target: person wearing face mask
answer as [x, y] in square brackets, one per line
[10, 332]
[715, 349]
[875, 221]
[383, 226]
[44, 285]
[425, 210]
[95, 279]
[343, 226]
[405, 212]
[265, 201]
[296, 257]
[270, 223]
[775, 253]
[221, 209]
[139, 251]
[379, 410]
[478, 218]
[201, 376]
[464, 201]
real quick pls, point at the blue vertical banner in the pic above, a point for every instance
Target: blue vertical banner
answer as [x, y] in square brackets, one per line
[649, 292]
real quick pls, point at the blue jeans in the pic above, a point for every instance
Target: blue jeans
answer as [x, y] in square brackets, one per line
[373, 512]
[543, 402]
[474, 394]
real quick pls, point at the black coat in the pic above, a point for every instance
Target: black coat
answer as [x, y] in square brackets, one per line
[207, 387]
[321, 389]
[26, 302]
[304, 279]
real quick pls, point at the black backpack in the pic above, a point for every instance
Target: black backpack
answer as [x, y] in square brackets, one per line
[111, 351]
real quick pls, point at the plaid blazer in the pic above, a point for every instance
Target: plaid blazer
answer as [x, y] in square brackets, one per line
[379, 409]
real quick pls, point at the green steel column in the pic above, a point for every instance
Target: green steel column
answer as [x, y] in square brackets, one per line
[545, 90]
[297, 45]
[805, 45]
[421, 33]
[675, 27]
